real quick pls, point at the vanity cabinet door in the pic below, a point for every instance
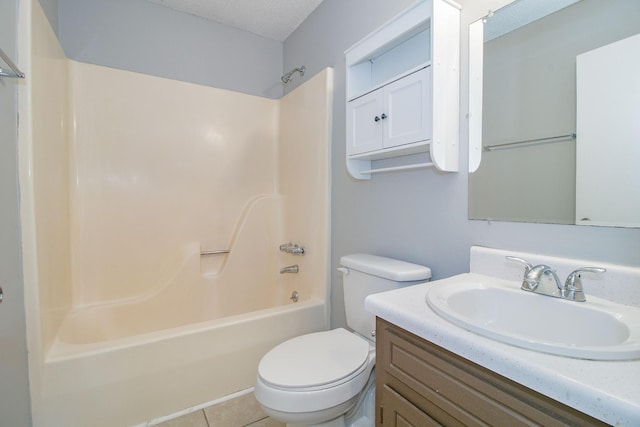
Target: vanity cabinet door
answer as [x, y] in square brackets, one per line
[399, 412]
[421, 384]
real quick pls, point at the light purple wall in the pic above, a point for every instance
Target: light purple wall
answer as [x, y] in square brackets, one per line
[420, 216]
[144, 37]
[14, 379]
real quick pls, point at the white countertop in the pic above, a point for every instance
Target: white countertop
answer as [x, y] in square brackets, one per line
[606, 390]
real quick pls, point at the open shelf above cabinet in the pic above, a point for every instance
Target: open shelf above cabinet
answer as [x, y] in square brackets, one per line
[403, 90]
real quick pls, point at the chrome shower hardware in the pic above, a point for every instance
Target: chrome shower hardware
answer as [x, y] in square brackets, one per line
[215, 252]
[294, 296]
[13, 71]
[287, 77]
[289, 269]
[291, 248]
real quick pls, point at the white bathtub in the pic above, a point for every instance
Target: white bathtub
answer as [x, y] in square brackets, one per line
[195, 337]
[127, 380]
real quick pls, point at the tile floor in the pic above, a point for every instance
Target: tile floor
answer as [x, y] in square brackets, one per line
[243, 411]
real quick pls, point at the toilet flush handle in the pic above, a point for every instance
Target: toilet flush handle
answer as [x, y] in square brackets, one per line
[343, 270]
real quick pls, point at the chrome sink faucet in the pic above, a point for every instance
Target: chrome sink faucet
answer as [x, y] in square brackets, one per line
[535, 278]
[573, 286]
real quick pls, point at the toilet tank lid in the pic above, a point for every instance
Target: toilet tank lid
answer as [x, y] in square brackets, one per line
[387, 268]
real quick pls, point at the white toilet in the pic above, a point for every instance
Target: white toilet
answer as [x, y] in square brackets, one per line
[326, 378]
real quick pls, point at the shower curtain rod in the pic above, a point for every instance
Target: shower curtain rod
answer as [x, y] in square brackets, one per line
[14, 72]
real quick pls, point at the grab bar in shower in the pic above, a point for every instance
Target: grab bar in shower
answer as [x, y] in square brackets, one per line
[14, 72]
[218, 252]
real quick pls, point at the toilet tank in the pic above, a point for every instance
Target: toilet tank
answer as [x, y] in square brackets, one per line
[363, 275]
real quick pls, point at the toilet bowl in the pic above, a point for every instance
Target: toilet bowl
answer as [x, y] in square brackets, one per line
[314, 378]
[327, 378]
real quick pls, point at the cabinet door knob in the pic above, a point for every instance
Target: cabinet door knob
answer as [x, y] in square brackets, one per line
[383, 116]
[1, 295]
[376, 119]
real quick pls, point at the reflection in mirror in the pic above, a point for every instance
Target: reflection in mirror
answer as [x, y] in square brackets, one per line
[527, 103]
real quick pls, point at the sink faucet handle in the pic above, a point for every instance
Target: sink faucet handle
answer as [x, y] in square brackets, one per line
[573, 285]
[596, 270]
[534, 275]
[527, 265]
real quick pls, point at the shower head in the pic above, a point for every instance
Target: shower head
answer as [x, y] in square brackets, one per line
[287, 77]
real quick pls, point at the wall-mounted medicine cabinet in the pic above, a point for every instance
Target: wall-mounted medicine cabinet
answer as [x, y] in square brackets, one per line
[403, 91]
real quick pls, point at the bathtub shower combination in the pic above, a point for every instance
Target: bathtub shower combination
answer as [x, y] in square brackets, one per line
[157, 217]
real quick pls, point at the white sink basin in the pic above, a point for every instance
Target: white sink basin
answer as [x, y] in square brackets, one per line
[596, 329]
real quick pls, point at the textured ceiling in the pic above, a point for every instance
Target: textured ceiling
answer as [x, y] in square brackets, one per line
[274, 19]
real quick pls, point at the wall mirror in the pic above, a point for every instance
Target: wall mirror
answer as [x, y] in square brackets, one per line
[554, 115]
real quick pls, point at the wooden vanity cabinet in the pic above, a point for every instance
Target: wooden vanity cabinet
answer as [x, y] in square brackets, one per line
[421, 384]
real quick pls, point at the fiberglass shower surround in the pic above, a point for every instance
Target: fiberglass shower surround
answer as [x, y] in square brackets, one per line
[121, 291]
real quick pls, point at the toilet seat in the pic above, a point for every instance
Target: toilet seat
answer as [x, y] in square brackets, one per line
[315, 361]
[314, 372]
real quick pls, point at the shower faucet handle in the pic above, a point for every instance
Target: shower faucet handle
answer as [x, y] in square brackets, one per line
[297, 250]
[291, 248]
[286, 247]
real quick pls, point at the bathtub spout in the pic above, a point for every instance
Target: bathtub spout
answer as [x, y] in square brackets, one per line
[289, 269]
